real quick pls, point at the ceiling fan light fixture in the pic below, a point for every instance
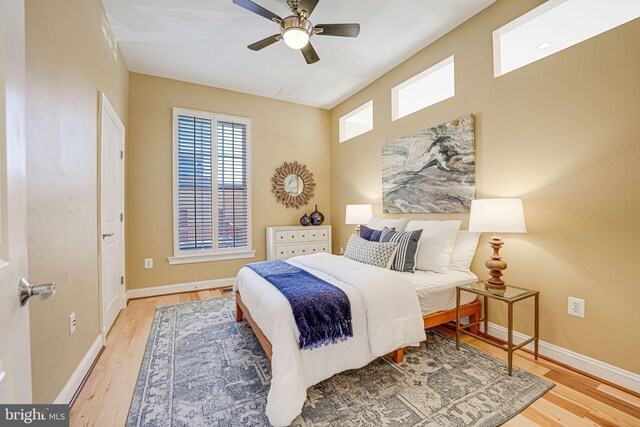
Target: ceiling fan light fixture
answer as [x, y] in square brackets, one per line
[296, 30]
[295, 38]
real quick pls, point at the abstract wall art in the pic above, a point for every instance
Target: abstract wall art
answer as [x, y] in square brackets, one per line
[430, 171]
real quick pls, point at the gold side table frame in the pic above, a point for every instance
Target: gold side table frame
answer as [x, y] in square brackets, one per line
[510, 295]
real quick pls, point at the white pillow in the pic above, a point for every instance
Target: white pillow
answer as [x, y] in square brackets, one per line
[378, 223]
[463, 250]
[436, 244]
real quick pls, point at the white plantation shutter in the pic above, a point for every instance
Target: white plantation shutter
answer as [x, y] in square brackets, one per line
[233, 227]
[212, 187]
[195, 228]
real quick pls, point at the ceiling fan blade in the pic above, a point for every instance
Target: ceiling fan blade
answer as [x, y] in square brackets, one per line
[310, 54]
[307, 6]
[256, 8]
[340, 30]
[265, 42]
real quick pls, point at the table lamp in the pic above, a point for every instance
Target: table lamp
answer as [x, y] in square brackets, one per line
[358, 214]
[496, 216]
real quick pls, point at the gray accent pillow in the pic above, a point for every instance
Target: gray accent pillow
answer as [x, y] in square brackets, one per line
[371, 253]
[405, 259]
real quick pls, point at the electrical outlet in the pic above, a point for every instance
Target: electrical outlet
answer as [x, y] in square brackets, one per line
[148, 263]
[576, 307]
[341, 250]
[72, 323]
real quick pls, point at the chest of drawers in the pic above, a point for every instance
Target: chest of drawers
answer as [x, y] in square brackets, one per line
[290, 241]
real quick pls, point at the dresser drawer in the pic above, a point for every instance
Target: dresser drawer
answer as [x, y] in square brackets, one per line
[318, 247]
[293, 250]
[292, 236]
[322, 247]
[281, 237]
[303, 235]
[281, 252]
[305, 249]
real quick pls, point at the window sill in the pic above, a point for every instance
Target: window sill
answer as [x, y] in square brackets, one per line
[190, 259]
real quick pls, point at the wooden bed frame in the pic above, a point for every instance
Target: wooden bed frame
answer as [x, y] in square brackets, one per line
[472, 310]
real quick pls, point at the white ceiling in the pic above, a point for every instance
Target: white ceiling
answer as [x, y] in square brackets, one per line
[204, 41]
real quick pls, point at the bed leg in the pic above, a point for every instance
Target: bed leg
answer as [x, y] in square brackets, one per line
[398, 355]
[238, 312]
[476, 328]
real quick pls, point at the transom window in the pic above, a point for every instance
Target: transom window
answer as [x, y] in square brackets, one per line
[556, 25]
[356, 122]
[212, 187]
[431, 86]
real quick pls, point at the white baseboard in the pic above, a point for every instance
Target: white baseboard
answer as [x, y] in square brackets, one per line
[74, 382]
[179, 287]
[626, 379]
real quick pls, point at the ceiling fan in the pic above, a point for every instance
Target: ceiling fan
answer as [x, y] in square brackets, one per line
[296, 29]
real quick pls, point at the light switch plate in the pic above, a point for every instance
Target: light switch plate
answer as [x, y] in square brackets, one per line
[2, 373]
[148, 263]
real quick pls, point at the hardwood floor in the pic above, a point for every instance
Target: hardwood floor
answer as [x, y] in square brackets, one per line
[576, 400]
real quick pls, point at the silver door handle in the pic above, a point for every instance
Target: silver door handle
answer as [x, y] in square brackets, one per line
[105, 235]
[27, 290]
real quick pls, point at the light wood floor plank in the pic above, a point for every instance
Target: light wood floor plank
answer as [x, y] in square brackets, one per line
[622, 418]
[538, 418]
[560, 415]
[606, 420]
[520, 421]
[576, 384]
[633, 400]
[106, 396]
[566, 403]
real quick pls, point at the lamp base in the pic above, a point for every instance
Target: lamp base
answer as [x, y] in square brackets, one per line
[495, 264]
[358, 230]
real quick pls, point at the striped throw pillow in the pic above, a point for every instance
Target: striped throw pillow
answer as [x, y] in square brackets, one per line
[405, 259]
[372, 253]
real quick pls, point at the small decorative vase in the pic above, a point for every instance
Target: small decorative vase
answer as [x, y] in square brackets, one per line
[316, 217]
[305, 220]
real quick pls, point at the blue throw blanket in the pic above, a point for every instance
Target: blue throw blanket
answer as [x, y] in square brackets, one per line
[321, 310]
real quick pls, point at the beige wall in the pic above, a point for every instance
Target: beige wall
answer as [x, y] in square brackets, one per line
[281, 132]
[69, 61]
[562, 134]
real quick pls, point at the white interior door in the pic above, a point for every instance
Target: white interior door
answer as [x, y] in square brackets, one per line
[112, 215]
[15, 355]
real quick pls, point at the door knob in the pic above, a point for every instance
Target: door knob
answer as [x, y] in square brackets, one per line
[105, 235]
[27, 290]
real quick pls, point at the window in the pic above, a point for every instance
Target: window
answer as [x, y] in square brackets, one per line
[212, 187]
[427, 88]
[357, 122]
[555, 26]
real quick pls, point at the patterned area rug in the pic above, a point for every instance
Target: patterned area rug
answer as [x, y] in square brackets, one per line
[201, 368]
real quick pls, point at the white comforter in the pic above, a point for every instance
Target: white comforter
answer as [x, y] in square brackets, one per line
[385, 316]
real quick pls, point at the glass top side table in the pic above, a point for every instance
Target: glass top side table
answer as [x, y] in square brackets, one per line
[510, 295]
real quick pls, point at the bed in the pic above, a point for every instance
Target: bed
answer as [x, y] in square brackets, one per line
[374, 335]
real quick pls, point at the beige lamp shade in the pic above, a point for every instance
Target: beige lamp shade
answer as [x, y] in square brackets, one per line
[358, 214]
[497, 216]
